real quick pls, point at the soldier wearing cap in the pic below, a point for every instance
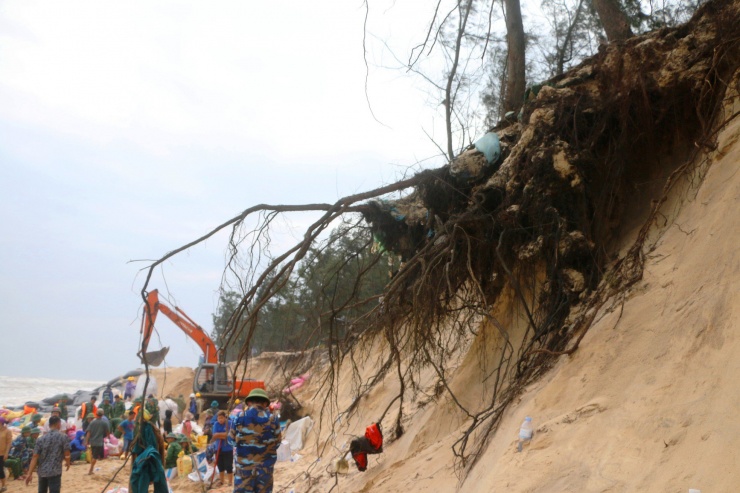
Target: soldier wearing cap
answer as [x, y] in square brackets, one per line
[86, 422]
[33, 437]
[152, 405]
[89, 407]
[256, 433]
[95, 435]
[19, 452]
[62, 405]
[119, 408]
[173, 451]
[106, 406]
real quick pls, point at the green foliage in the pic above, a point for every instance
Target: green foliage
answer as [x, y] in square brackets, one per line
[575, 33]
[324, 301]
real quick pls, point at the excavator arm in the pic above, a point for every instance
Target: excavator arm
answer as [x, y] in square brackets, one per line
[151, 308]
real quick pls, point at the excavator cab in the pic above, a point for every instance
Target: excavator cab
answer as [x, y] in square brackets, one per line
[213, 378]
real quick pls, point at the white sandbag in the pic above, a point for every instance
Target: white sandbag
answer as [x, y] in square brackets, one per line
[202, 470]
[297, 432]
[196, 428]
[283, 451]
[166, 404]
[150, 389]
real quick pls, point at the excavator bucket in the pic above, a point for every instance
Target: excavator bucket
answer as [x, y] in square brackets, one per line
[155, 358]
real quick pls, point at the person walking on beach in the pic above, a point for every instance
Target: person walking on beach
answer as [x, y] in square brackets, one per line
[6, 439]
[48, 454]
[256, 433]
[127, 432]
[96, 432]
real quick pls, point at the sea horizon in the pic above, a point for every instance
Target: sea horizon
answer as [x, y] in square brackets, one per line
[16, 391]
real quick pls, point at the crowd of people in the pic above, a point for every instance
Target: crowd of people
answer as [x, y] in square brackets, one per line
[241, 442]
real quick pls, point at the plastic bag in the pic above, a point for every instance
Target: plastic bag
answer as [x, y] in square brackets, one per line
[283, 451]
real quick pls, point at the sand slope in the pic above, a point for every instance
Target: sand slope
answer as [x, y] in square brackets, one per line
[647, 403]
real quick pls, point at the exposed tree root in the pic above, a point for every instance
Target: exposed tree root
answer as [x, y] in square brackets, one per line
[541, 223]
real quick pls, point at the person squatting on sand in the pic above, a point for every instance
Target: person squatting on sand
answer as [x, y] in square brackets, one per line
[95, 436]
[20, 455]
[77, 446]
[49, 452]
[256, 433]
[173, 451]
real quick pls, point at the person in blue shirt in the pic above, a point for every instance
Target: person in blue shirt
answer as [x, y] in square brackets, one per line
[193, 407]
[127, 431]
[225, 452]
[77, 446]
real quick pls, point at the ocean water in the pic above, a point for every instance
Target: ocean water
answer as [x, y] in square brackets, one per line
[16, 391]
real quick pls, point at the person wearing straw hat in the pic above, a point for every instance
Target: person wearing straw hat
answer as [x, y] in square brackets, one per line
[128, 391]
[256, 435]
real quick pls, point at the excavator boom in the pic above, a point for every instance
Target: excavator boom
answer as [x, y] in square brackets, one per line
[214, 380]
[151, 308]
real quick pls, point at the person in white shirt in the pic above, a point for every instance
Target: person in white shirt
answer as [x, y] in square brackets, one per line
[58, 413]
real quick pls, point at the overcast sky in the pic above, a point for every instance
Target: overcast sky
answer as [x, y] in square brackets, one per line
[130, 128]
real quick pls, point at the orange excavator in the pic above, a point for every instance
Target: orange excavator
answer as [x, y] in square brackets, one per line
[213, 378]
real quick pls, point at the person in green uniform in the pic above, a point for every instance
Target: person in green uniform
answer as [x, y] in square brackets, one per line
[18, 453]
[173, 451]
[152, 405]
[186, 444]
[34, 435]
[180, 404]
[119, 408]
[62, 405]
[35, 421]
[117, 414]
[89, 407]
[107, 407]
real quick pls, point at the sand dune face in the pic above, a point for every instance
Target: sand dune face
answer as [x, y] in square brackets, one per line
[646, 404]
